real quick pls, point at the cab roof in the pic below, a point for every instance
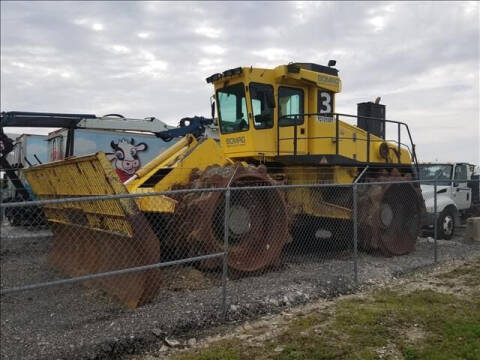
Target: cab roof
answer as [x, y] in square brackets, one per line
[292, 67]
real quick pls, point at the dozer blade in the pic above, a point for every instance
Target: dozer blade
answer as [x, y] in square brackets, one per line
[97, 236]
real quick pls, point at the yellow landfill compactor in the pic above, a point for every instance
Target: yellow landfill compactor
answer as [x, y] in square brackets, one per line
[275, 126]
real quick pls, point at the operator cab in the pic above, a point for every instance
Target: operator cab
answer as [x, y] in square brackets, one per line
[287, 115]
[261, 112]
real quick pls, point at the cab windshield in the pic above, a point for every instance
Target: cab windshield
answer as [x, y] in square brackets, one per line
[232, 109]
[441, 173]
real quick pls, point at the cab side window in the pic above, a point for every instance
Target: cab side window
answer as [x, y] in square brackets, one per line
[290, 103]
[263, 104]
[460, 173]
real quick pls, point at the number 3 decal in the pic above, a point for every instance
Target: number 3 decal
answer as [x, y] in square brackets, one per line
[326, 102]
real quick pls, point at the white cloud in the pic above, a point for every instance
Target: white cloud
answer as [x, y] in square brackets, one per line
[304, 11]
[214, 49]
[206, 61]
[271, 54]
[378, 23]
[81, 21]
[88, 22]
[19, 64]
[208, 31]
[271, 31]
[210, 65]
[385, 9]
[123, 75]
[36, 70]
[155, 68]
[120, 49]
[97, 27]
[147, 55]
[143, 35]
[471, 7]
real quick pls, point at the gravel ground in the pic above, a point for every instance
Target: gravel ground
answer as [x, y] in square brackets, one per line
[75, 322]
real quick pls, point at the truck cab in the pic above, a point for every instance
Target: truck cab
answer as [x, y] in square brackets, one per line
[454, 195]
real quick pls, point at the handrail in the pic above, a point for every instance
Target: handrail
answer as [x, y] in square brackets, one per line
[402, 145]
[336, 117]
[414, 155]
[344, 138]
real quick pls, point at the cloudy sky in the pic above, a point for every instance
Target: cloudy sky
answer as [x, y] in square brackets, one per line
[151, 58]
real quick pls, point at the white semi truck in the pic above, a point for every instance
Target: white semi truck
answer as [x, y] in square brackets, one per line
[457, 187]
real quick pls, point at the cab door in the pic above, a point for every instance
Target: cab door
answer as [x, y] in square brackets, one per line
[262, 116]
[291, 124]
[462, 194]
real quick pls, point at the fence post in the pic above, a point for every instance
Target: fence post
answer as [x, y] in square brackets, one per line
[2, 209]
[435, 230]
[225, 253]
[355, 233]
[1, 201]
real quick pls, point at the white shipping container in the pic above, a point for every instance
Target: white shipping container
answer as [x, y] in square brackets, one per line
[28, 149]
[27, 146]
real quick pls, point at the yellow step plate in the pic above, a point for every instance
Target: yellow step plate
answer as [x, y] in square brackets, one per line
[97, 236]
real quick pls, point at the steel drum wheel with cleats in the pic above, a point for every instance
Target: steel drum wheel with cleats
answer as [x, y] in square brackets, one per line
[390, 214]
[257, 220]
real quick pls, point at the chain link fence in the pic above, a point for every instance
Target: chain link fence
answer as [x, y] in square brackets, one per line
[88, 275]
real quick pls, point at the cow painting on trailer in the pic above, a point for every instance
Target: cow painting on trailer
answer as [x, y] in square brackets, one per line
[91, 141]
[125, 157]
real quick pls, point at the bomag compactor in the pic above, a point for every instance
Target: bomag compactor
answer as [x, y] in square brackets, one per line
[276, 126]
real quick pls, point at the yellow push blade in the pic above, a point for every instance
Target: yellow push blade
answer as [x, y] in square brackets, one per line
[97, 236]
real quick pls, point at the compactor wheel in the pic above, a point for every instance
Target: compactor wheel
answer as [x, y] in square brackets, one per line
[390, 215]
[257, 220]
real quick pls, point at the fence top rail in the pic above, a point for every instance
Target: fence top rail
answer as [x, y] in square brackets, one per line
[159, 193]
[186, 191]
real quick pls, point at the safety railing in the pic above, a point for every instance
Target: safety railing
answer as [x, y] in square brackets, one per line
[336, 139]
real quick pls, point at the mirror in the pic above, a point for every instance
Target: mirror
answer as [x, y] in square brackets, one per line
[212, 106]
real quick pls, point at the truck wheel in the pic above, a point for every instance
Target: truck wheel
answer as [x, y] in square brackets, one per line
[446, 224]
